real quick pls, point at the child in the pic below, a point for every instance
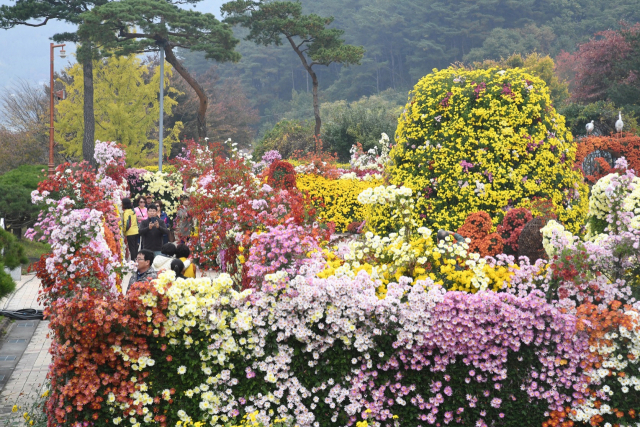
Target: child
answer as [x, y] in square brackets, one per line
[177, 266]
[167, 254]
[182, 253]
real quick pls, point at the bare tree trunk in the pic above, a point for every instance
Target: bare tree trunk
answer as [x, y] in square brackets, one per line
[202, 96]
[88, 138]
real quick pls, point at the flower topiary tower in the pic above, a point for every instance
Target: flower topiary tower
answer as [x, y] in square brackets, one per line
[484, 140]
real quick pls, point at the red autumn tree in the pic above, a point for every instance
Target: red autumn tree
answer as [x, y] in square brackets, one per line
[599, 64]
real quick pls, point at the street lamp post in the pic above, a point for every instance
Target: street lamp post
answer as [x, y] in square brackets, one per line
[51, 131]
[161, 124]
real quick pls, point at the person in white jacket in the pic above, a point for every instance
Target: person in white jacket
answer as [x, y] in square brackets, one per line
[167, 254]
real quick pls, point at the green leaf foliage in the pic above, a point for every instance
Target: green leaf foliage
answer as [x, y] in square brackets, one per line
[134, 26]
[269, 22]
[12, 251]
[11, 256]
[361, 122]
[603, 113]
[287, 136]
[15, 197]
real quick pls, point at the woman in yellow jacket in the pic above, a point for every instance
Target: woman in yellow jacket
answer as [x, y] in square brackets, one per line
[130, 228]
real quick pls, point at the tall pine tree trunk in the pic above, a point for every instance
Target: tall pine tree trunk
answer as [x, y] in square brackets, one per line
[88, 138]
[314, 81]
[316, 101]
[202, 96]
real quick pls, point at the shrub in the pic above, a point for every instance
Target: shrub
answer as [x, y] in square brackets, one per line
[287, 137]
[358, 122]
[11, 256]
[530, 240]
[15, 197]
[603, 113]
[281, 175]
[511, 227]
[485, 140]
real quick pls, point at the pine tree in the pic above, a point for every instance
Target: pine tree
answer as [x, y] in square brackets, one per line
[308, 35]
[136, 26]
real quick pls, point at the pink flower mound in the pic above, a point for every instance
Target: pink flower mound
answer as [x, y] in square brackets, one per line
[283, 248]
[497, 351]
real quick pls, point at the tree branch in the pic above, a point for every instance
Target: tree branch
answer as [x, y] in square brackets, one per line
[31, 25]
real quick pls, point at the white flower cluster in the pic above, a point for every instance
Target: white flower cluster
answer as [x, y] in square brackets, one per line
[603, 197]
[383, 195]
[555, 238]
[371, 160]
[368, 177]
[166, 187]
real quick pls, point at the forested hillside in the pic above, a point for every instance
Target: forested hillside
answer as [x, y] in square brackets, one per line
[406, 39]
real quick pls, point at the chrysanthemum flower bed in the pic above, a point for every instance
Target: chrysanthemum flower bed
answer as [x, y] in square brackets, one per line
[383, 329]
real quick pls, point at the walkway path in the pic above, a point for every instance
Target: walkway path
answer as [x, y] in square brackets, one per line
[30, 372]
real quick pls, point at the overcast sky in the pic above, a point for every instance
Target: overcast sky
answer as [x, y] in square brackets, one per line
[24, 51]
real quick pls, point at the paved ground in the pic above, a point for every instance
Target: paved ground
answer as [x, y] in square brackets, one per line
[28, 340]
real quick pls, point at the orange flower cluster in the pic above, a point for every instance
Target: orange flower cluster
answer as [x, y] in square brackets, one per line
[85, 367]
[624, 145]
[559, 419]
[477, 227]
[597, 322]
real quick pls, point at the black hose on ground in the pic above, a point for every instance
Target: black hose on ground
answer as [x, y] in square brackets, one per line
[24, 314]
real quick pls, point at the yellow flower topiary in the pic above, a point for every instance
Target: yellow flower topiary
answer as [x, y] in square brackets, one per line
[336, 200]
[472, 140]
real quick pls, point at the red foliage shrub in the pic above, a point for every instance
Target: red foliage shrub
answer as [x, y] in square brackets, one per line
[281, 175]
[477, 227]
[511, 227]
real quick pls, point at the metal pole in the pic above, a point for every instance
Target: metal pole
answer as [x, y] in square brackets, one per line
[161, 125]
[51, 106]
[51, 116]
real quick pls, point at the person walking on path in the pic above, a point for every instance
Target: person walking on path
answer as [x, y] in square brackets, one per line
[152, 230]
[145, 268]
[141, 209]
[130, 227]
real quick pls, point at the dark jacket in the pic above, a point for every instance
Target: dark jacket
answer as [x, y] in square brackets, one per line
[149, 274]
[152, 237]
